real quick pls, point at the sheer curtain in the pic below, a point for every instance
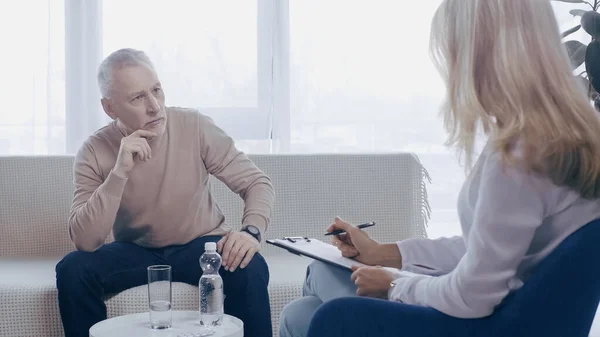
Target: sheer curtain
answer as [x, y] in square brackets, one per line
[361, 80]
[32, 89]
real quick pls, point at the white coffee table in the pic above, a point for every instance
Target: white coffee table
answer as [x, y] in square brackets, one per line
[184, 323]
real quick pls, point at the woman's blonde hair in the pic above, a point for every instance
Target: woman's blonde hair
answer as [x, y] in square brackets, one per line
[507, 73]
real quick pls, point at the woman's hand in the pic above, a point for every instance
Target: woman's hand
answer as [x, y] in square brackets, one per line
[372, 281]
[355, 243]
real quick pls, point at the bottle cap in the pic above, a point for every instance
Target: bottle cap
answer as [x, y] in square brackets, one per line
[210, 246]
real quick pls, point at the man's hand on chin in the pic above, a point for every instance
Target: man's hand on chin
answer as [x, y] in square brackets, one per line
[237, 249]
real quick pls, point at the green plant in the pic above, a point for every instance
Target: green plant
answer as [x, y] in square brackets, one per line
[590, 53]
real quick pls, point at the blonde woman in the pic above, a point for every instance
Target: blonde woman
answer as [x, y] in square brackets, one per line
[534, 184]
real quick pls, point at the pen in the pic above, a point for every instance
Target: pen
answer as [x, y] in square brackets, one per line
[340, 231]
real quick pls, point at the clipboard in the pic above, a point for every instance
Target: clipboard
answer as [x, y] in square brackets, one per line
[317, 250]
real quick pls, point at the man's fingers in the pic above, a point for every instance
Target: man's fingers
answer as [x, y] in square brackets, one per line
[138, 144]
[144, 133]
[140, 148]
[221, 243]
[239, 256]
[147, 149]
[227, 250]
[137, 150]
[235, 250]
[144, 146]
[248, 258]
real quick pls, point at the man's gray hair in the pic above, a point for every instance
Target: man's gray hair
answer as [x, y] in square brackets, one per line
[126, 57]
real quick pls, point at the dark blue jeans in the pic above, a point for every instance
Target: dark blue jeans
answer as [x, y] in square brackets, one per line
[83, 278]
[367, 317]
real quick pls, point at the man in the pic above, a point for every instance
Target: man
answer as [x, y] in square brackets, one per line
[145, 177]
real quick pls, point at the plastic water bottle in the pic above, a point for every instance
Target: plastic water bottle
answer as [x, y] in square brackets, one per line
[211, 287]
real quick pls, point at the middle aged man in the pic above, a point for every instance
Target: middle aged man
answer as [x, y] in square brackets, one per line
[145, 177]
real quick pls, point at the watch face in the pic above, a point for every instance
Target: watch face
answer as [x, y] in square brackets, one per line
[253, 229]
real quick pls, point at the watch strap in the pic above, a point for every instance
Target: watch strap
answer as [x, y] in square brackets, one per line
[257, 236]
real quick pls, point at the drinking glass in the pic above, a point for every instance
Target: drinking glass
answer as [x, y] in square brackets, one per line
[159, 296]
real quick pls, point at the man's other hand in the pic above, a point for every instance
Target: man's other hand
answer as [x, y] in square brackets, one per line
[237, 249]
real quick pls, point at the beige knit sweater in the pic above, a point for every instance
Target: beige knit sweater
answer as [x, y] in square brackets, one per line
[166, 200]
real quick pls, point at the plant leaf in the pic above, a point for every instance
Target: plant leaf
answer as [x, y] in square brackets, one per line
[576, 52]
[571, 31]
[590, 21]
[592, 63]
[577, 12]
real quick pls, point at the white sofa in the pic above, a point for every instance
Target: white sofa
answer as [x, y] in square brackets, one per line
[36, 192]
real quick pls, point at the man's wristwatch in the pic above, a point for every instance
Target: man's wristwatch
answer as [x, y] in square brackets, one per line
[252, 230]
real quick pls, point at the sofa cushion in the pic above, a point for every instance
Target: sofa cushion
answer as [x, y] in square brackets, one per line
[28, 294]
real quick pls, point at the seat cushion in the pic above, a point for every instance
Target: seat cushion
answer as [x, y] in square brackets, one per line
[29, 296]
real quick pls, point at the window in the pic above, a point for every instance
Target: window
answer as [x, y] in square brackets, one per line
[205, 51]
[206, 54]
